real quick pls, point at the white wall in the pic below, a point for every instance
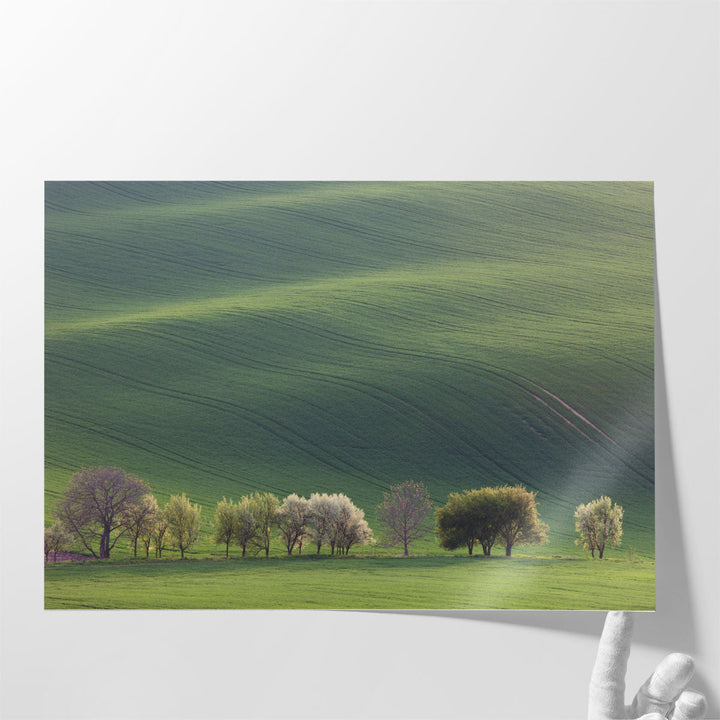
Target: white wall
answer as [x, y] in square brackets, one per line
[362, 90]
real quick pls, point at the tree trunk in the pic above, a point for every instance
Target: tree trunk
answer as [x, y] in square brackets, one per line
[267, 551]
[182, 553]
[243, 552]
[406, 548]
[592, 552]
[600, 552]
[508, 550]
[135, 547]
[319, 544]
[227, 549]
[105, 543]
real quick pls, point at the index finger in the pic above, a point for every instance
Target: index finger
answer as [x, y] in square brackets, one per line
[607, 683]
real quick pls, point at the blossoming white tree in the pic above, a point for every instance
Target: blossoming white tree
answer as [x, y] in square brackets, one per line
[292, 520]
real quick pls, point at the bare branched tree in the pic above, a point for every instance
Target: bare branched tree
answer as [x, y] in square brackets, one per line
[404, 514]
[95, 504]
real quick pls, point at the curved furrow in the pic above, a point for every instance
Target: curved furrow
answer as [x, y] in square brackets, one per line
[219, 231]
[564, 343]
[425, 290]
[380, 309]
[457, 361]
[122, 190]
[372, 347]
[384, 238]
[210, 269]
[464, 447]
[152, 448]
[77, 277]
[507, 375]
[249, 415]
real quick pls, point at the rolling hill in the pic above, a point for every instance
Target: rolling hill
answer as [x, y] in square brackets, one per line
[219, 338]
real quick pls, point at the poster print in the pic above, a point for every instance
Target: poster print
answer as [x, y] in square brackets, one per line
[349, 395]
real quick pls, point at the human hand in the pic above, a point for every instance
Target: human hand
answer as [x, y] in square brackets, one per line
[663, 695]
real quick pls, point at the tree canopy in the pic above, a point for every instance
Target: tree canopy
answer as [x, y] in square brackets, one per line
[292, 520]
[183, 522]
[599, 524]
[504, 515]
[96, 504]
[518, 520]
[225, 525]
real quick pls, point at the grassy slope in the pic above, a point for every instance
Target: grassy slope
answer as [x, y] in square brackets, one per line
[350, 582]
[221, 338]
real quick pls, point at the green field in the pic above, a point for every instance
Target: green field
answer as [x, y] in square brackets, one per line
[354, 582]
[220, 338]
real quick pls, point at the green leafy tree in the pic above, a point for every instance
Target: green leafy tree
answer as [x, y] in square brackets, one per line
[225, 525]
[139, 518]
[183, 521]
[484, 510]
[160, 533]
[147, 532]
[506, 515]
[265, 508]
[403, 514]
[455, 525]
[599, 525]
[246, 526]
[519, 522]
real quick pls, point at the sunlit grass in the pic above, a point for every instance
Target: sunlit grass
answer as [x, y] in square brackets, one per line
[354, 582]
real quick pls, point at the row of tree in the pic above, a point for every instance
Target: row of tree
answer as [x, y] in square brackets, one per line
[101, 505]
[323, 519]
[508, 516]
